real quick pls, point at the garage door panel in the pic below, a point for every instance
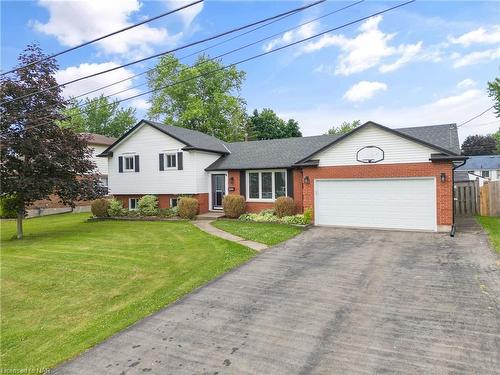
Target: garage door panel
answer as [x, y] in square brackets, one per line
[381, 203]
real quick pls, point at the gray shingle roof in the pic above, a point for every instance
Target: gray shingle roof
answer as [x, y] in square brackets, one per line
[479, 162]
[283, 153]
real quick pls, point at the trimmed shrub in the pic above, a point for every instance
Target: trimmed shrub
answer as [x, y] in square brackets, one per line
[167, 212]
[116, 208]
[284, 206]
[148, 205]
[295, 219]
[100, 207]
[8, 207]
[234, 205]
[188, 208]
[308, 214]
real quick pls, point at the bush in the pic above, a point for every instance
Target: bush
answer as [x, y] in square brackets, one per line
[8, 207]
[116, 208]
[234, 205]
[188, 208]
[168, 212]
[100, 207]
[148, 205]
[295, 219]
[284, 206]
[308, 213]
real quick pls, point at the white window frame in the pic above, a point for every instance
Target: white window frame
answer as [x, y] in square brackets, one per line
[165, 160]
[172, 199]
[130, 204]
[260, 171]
[487, 172]
[125, 157]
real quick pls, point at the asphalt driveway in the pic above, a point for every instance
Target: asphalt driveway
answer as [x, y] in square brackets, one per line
[330, 301]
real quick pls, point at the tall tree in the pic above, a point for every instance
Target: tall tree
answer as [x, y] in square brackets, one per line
[201, 97]
[479, 145]
[494, 93]
[267, 125]
[99, 115]
[345, 127]
[38, 158]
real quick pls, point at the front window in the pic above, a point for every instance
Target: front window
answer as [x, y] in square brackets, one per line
[129, 163]
[132, 204]
[171, 160]
[266, 185]
[485, 174]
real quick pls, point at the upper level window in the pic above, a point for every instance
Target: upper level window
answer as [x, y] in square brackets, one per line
[171, 160]
[266, 185]
[485, 174]
[128, 163]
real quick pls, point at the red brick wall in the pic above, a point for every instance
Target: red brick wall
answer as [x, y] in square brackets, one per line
[53, 202]
[443, 190]
[164, 200]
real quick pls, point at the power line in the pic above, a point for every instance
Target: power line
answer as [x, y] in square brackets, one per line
[166, 52]
[251, 57]
[475, 117]
[104, 37]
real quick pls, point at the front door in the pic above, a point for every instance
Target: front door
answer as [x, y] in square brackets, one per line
[218, 190]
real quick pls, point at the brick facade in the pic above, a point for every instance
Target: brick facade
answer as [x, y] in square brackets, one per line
[164, 200]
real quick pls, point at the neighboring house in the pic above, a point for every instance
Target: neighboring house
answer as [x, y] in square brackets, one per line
[480, 167]
[373, 176]
[98, 143]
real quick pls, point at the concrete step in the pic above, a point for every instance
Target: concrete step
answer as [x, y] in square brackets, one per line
[210, 216]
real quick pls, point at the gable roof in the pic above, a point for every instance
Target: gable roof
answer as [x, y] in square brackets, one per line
[193, 139]
[479, 162]
[289, 152]
[98, 139]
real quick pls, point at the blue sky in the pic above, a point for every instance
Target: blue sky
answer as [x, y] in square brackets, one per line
[425, 63]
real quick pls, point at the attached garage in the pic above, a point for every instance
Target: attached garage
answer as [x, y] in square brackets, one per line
[392, 203]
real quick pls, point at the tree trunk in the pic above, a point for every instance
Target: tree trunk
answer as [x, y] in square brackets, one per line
[20, 216]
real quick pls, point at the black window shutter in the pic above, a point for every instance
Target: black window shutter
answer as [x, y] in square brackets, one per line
[120, 164]
[179, 161]
[162, 161]
[243, 183]
[136, 162]
[289, 182]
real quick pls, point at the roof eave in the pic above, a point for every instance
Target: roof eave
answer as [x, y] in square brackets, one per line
[441, 157]
[193, 148]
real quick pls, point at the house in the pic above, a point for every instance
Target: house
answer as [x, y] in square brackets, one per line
[98, 143]
[373, 176]
[479, 167]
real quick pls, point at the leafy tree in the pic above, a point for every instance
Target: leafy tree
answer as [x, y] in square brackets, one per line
[267, 125]
[201, 97]
[479, 145]
[99, 115]
[38, 158]
[497, 140]
[345, 127]
[494, 92]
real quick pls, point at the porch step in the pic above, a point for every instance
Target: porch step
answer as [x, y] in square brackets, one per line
[210, 216]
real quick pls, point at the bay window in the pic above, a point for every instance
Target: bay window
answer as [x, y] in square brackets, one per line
[266, 185]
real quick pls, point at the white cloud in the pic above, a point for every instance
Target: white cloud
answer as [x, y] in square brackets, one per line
[364, 90]
[478, 36]
[466, 83]
[476, 57]
[291, 36]
[366, 50]
[456, 100]
[188, 14]
[90, 84]
[75, 22]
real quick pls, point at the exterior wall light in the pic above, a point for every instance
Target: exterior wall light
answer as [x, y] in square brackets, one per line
[443, 177]
[231, 180]
[306, 180]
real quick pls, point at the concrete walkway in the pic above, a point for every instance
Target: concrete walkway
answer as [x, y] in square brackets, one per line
[206, 226]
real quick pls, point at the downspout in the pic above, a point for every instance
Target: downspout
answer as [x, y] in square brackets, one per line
[454, 225]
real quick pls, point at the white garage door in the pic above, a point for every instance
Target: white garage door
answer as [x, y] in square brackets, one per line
[378, 203]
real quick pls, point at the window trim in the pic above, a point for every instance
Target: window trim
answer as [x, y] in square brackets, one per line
[171, 200]
[130, 204]
[260, 171]
[125, 157]
[165, 163]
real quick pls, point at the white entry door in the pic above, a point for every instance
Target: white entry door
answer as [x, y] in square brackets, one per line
[393, 203]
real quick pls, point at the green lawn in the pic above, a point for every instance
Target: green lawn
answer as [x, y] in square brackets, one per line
[491, 225]
[267, 233]
[70, 283]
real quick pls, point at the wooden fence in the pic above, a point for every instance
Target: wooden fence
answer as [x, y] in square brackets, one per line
[466, 198]
[471, 199]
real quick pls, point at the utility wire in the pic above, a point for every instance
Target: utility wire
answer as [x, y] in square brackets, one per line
[104, 37]
[251, 57]
[166, 52]
[475, 117]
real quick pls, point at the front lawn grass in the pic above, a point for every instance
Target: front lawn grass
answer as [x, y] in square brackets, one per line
[267, 233]
[70, 283]
[491, 225]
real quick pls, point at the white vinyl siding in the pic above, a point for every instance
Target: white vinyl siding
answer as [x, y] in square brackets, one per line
[101, 163]
[148, 143]
[392, 203]
[396, 149]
